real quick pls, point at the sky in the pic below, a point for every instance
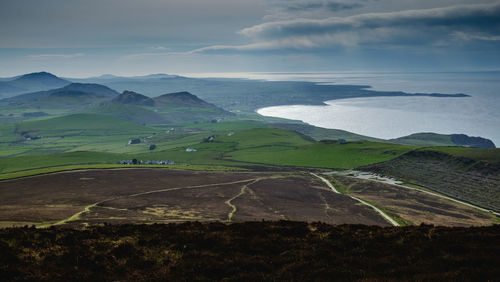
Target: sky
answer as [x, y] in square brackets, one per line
[82, 38]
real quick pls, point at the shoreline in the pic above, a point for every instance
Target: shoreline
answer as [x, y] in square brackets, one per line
[389, 117]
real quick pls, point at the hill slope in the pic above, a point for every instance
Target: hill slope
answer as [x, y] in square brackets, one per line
[132, 98]
[80, 124]
[464, 175]
[31, 82]
[70, 98]
[133, 113]
[319, 133]
[88, 88]
[181, 99]
[434, 139]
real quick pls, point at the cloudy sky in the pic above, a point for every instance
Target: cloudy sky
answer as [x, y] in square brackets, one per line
[81, 38]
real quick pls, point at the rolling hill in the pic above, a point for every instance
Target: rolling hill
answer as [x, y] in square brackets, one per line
[132, 113]
[182, 99]
[70, 98]
[80, 125]
[434, 139]
[31, 82]
[249, 95]
[132, 98]
[78, 89]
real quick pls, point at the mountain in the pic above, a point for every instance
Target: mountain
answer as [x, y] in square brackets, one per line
[434, 139]
[248, 95]
[78, 89]
[72, 97]
[133, 98]
[7, 88]
[181, 99]
[169, 108]
[31, 82]
[469, 141]
[97, 89]
[155, 76]
[39, 79]
[130, 106]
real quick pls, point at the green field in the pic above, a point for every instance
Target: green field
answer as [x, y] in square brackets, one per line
[91, 139]
[489, 155]
[333, 155]
[82, 124]
[258, 146]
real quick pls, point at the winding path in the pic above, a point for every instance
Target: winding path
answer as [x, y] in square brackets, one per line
[77, 215]
[383, 214]
[428, 192]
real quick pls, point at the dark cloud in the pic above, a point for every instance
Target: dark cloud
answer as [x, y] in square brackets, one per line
[423, 26]
[330, 6]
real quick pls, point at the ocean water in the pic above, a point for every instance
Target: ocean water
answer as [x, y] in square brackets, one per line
[392, 117]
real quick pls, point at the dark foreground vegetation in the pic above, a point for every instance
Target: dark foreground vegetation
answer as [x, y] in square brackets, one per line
[251, 251]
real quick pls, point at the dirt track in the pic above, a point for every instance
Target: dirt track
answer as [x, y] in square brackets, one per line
[156, 195]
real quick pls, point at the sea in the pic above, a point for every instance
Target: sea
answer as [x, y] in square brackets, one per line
[392, 117]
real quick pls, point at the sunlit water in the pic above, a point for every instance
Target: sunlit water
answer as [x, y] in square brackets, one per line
[391, 117]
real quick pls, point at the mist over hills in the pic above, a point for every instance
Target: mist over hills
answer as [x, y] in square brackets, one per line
[31, 82]
[70, 97]
[244, 95]
[143, 102]
[99, 99]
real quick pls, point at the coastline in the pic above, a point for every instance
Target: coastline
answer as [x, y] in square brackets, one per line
[390, 117]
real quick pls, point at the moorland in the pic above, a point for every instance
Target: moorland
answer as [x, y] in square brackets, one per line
[90, 161]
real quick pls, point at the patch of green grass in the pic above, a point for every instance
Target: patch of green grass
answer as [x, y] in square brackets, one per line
[333, 155]
[425, 139]
[7, 134]
[227, 125]
[261, 146]
[339, 186]
[52, 160]
[82, 125]
[478, 154]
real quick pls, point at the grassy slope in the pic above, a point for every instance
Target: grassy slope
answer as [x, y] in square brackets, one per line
[319, 133]
[245, 147]
[236, 143]
[76, 132]
[425, 139]
[314, 132]
[322, 155]
[51, 160]
[81, 124]
[131, 113]
[477, 154]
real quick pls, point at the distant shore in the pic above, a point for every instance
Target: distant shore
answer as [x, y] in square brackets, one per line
[392, 117]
